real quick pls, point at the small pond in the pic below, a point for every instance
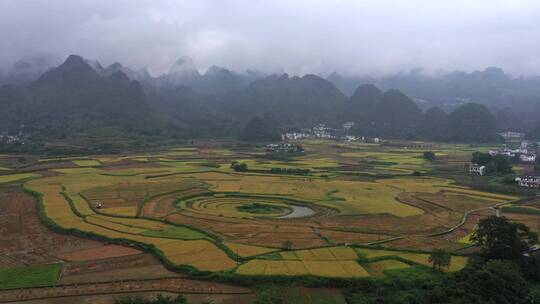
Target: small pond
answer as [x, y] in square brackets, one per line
[297, 212]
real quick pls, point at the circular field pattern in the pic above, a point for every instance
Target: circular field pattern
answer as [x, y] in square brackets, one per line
[239, 206]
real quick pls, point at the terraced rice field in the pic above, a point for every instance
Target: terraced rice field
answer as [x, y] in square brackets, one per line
[336, 269]
[86, 162]
[457, 262]
[200, 213]
[17, 177]
[244, 250]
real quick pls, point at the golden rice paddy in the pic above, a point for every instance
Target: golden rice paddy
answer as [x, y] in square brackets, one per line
[205, 196]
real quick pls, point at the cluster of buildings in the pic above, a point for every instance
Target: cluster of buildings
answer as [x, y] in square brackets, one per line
[321, 131]
[12, 139]
[14, 136]
[284, 147]
[510, 135]
[529, 181]
[318, 131]
[525, 153]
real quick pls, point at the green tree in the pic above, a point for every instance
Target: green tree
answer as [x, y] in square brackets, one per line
[499, 164]
[533, 296]
[480, 158]
[440, 259]
[499, 238]
[537, 165]
[496, 281]
[429, 155]
[239, 167]
[502, 164]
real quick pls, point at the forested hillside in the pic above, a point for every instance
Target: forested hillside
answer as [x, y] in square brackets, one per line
[84, 98]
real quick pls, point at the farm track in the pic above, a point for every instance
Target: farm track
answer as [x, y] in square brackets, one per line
[466, 215]
[174, 285]
[455, 227]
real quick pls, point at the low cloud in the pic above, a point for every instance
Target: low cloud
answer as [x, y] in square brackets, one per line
[295, 36]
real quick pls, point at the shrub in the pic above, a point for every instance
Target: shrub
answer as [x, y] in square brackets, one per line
[429, 155]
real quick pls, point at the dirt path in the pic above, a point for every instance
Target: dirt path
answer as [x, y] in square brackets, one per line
[174, 285]
[455, 227]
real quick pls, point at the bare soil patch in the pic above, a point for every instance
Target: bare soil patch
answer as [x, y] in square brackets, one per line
[103, 252]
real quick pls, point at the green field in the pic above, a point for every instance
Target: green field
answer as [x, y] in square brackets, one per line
[86, 163]
[17, 177]
[30, 276]
[521, 210]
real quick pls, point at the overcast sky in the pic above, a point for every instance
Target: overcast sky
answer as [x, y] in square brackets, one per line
[303, 36]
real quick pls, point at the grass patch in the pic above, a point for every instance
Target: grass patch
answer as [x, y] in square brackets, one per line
[16, 177]
[466, 239]
[378, 268]
[30, 276]
[521, 210]
[416, 273]
[86, 162]
[259, 208]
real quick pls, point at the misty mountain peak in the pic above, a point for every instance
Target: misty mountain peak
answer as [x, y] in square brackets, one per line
[116, 66]
[216, 70]
[495, 73]
[144, 73]
[334, 76]
[182, 65]
[74, 68]
[494, 70]
[119, 76]
[95, 65]
[22, 64]
[367, 88]
[366, 93]
[395, 93]
[74, 61]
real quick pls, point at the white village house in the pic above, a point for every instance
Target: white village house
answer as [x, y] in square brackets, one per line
[528, 181]
[512, 135]
[284, 148]
[528, 158]
[476, 169]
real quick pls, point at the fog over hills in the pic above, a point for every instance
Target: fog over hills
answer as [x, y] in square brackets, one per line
[208, 68]
[364, 38]
[493, 87]
[81, 96]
